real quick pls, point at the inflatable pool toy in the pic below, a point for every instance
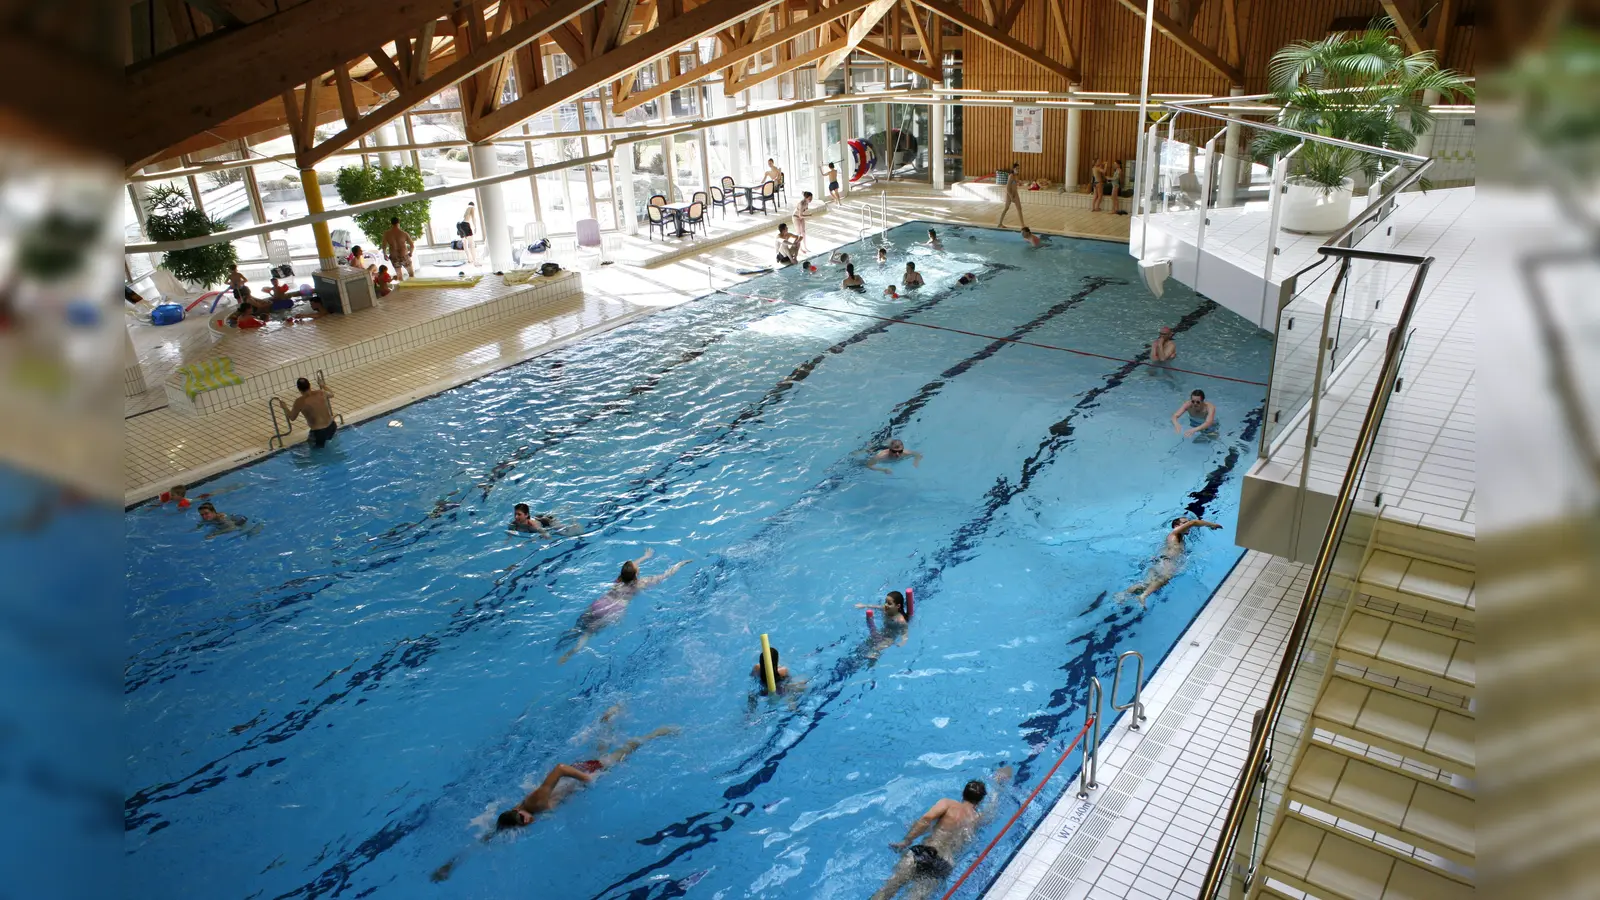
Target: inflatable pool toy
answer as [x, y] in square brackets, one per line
[166, 314]
[863, 157]
[911, 604]
[213, 296]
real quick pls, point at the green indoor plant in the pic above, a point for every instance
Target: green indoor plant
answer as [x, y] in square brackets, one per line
[358, 184]
[1361, 87]
[173, 217]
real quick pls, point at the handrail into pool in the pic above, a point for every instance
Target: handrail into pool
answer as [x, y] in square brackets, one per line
[1090, 720]
[277, 435]
[1256, 760]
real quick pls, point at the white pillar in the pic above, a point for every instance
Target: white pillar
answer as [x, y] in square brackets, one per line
[1228, 172]
[1425, 141]
[622, 165]
[1069, 178]
[388, 136]
[936, 139]
[492, 202]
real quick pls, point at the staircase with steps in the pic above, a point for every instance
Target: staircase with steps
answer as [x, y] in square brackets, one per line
[1379, 804]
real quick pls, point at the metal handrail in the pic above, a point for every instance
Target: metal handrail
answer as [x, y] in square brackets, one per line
[278, 434]
[1089, 773]
[1251, 775]
[322, 385]
[1138, 681]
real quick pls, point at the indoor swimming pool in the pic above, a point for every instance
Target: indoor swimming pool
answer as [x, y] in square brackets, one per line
[339, 697]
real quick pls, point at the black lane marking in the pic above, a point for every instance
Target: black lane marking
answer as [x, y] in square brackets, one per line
[960, 549]
[411, 653]
[868, 648]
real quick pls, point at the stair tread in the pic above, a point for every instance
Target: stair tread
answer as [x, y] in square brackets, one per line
[1395, 575]
[1448, 658]
[1400, 721]
[1394, 801]
[1319, 859]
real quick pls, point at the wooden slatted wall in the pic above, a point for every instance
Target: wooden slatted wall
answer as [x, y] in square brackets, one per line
[1109, 39]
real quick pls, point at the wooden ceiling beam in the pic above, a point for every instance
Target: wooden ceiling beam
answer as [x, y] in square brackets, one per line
[867, 20]
[1181, 36]
[462, 67]
[922, 33]
[1231, 49]
[1004, 22]
[1058, 20]
[707, 18]
[1446, 14]
[166, 101]
[741, 53]
[972, 25]
[1405, 25]
[871, 48]
[347, 94]
[788, 65]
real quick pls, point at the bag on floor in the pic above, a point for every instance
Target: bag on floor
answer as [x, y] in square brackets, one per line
[457, 245]
[549, 269]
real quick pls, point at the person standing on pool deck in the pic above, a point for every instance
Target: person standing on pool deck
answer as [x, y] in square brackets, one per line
[399, 246]
[802, 211]
[1202, 415]
[1013, 198]
[1171, 559]
[314, 405]
[833, 183]
[950, 826]
[895, 452]
[1162, 349]
[608, 610]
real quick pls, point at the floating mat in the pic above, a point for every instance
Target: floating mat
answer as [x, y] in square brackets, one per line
[208, 376]
[469, 281]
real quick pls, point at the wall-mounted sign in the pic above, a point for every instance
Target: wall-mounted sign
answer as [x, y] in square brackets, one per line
[1027, 129]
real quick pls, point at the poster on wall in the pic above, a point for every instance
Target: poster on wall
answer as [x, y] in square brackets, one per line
[1027, 129]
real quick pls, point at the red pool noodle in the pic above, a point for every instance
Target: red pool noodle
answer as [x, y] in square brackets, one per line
[871, 625]
[910, 603]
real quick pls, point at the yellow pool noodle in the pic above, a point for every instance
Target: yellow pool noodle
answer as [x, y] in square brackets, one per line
[766, 666]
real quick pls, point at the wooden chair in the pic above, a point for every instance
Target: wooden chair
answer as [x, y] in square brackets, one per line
[655, 220]
[658, 200]
[700, 197]
[768, 195]
[727, 185]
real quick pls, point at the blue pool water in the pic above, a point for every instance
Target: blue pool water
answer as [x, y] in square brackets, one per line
[337, 700]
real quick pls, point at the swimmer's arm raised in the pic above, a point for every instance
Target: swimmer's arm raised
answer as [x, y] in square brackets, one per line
[563, 770]
[1178, 429]
[648, 552]
[923, 825]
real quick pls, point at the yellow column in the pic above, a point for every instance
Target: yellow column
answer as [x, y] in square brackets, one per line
[308, 180]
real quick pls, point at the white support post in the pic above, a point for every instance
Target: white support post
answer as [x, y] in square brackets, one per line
[1069, 178]
[1228, 176]
[492, 201]
[936, 141]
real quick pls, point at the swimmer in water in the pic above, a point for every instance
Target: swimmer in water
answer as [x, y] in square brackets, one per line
[565, 778]
[1202, 416]
[933, 240]
[950, 826]
[780, 673]
[1032, 239]
[892, 292]
[893, 609]
[912, 278]
[220, 522]
[851, 279]
[1170, 561]
[895, 452]
[1162, 349]
[968, 278]
[608, 610]
[524, 521]
[883, 255]
[839, 259]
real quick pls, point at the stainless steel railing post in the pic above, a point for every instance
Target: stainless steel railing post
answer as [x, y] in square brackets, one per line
[1088, 774]
[1135, 704]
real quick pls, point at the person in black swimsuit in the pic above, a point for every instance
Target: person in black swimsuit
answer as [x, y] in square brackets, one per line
[950, 826]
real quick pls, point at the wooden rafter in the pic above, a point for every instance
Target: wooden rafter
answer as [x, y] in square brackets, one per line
[462, 67]
[1405, 25]
[165, 102]
[347, 94]
[1181, 36]
[870, 48]
[973, 26]
[733, 55]
[387, 66]
[921, 33]
[423, 52]
[788, 65]
[1231, 49]
[1009, 14]
[707, 18]
[859, 29]
[1446, 16]
[1058, 20]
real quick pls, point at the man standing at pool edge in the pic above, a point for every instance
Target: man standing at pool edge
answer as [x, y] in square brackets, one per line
[315, 406]
[1013, 198]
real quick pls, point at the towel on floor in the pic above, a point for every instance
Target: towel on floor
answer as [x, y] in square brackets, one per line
[520, 276]
[208, 376]
[469, 281]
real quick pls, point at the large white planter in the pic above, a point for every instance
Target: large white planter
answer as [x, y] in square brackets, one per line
[1308, 209]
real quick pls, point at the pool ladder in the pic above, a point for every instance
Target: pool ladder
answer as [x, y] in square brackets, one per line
[873, 220]
[1089, 773]
[281, 431]
[1135, 703]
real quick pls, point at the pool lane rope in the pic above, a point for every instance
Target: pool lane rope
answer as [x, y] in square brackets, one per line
[990, 337]
[1087, 722]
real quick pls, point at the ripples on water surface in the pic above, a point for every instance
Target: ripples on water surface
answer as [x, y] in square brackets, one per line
[340, 701]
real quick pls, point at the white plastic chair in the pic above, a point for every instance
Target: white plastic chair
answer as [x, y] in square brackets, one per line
[589, 239]
[532, 233]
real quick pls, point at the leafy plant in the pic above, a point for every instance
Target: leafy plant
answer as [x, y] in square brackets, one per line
[1360, 87]
[1554, 90]
[358, 184]
[173, 217]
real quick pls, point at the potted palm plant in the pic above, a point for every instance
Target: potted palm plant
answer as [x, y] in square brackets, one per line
[1362, 87]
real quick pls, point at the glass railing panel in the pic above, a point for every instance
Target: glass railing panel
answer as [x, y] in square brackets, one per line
[1297, 349]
